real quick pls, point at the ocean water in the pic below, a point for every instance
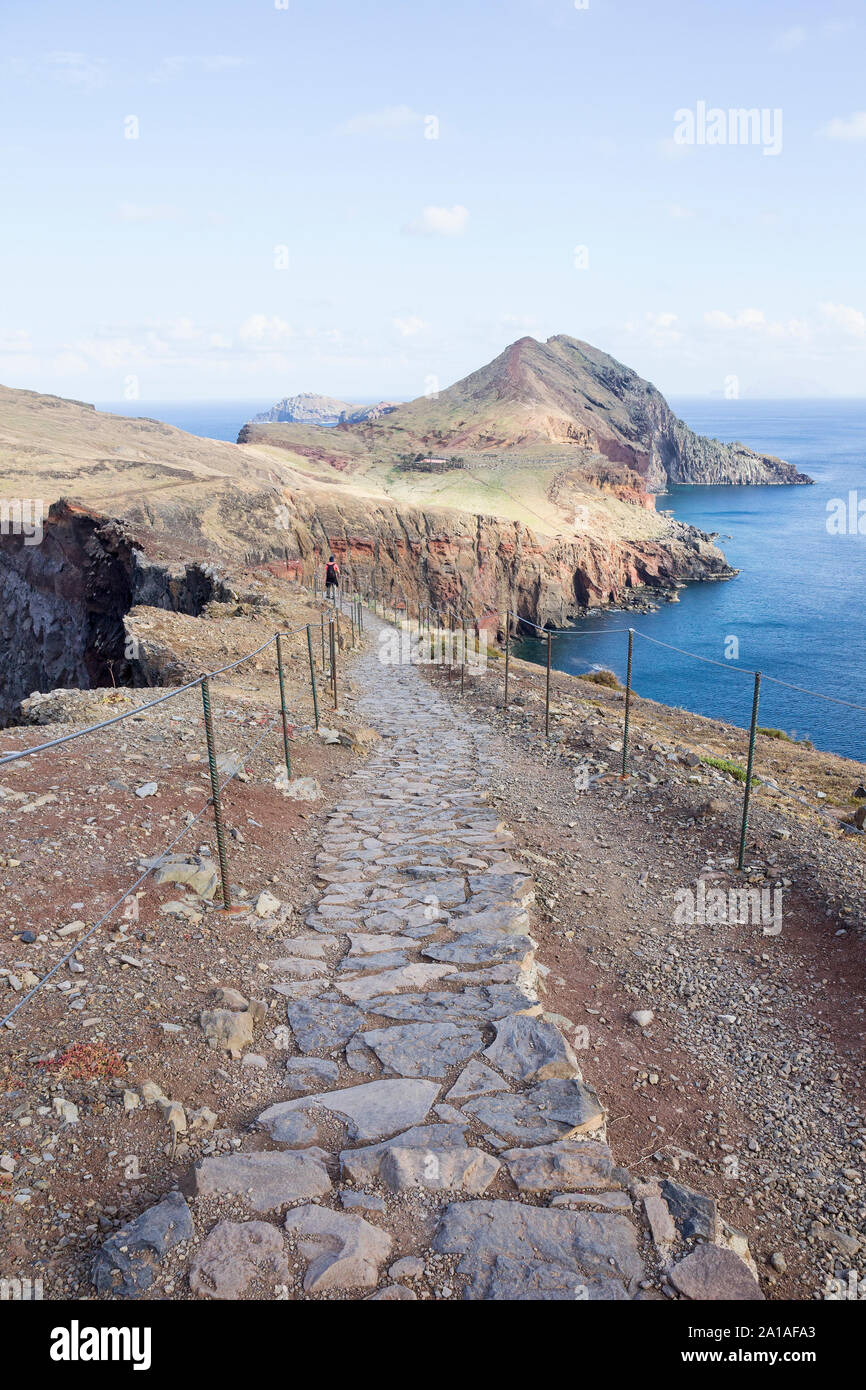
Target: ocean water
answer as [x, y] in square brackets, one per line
[797, 609]
[212, 419]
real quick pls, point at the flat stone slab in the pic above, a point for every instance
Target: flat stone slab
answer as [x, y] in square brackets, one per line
[488, 947]
[299, 968]
[435, 1157]
[382, 960]
[320, 1025]
[712, 1273]
[264, 1180]
[310, 1073]
[509, 919]
[528, 1049]
[371, 943]
[511, 1250]
[423, 916]
[543, 1114]
[557, 1167]
[438, 1170]
[414, 976]
[487, 1002]
[300, 989]
[343, 1250]
[234, 1254]
[445, 892]
[294, 1124]
[476, 1079]
[515, 887]
[309, 947]
[374, 1109]
[422, 1049]
[694, 1214]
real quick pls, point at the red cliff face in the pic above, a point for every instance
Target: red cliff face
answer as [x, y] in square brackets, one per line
[483, 565]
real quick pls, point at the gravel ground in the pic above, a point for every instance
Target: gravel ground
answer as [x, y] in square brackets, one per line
[748, 1080]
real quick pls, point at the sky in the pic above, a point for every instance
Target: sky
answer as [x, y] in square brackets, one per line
[252, 198]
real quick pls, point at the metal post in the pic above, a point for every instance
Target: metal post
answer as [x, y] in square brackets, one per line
[215, 793]
[507, 650]
[352, 621]
[627, 703]
[283, 710]
[334, 662]
[322, 622]
[547, 691]
[313, 674]
[462, 655]
[751, 759]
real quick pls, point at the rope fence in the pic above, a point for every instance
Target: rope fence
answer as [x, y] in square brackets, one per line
[348, 607]
[395, 608]
[331, 642]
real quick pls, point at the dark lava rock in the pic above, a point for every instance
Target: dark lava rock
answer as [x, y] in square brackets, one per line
[126, 1264]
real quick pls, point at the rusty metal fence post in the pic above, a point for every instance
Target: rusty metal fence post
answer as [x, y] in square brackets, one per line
[333, 638]
[747, 794]
[283, 710]
[313, 674]
[547, 690]
[627, 703]
[215, 793]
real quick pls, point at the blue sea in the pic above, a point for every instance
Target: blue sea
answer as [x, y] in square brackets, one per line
[796, 610]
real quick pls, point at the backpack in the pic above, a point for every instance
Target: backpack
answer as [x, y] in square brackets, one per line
[331, 574]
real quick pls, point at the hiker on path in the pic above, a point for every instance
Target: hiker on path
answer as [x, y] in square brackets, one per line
[332, 579]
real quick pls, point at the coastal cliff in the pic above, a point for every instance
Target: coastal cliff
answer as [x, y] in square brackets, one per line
[482, 565]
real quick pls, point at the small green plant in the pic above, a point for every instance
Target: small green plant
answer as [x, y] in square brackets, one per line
[788, 738]
[733, 769]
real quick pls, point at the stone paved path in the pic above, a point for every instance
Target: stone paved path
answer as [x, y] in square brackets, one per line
[430, 1093]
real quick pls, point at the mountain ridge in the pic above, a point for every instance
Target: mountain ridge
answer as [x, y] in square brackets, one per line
[564, 393]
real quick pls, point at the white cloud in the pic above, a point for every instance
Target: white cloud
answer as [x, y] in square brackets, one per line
[659, 330]
[408, 327]
[16, 342]
[851, 127]
[117, 347]
[441, 221]
[260, 331]
[385, 122]
[851, 322]
[754, 322]
[175, 67]
[744, 318]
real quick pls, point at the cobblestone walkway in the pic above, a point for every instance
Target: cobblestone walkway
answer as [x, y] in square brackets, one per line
[440, 1139]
